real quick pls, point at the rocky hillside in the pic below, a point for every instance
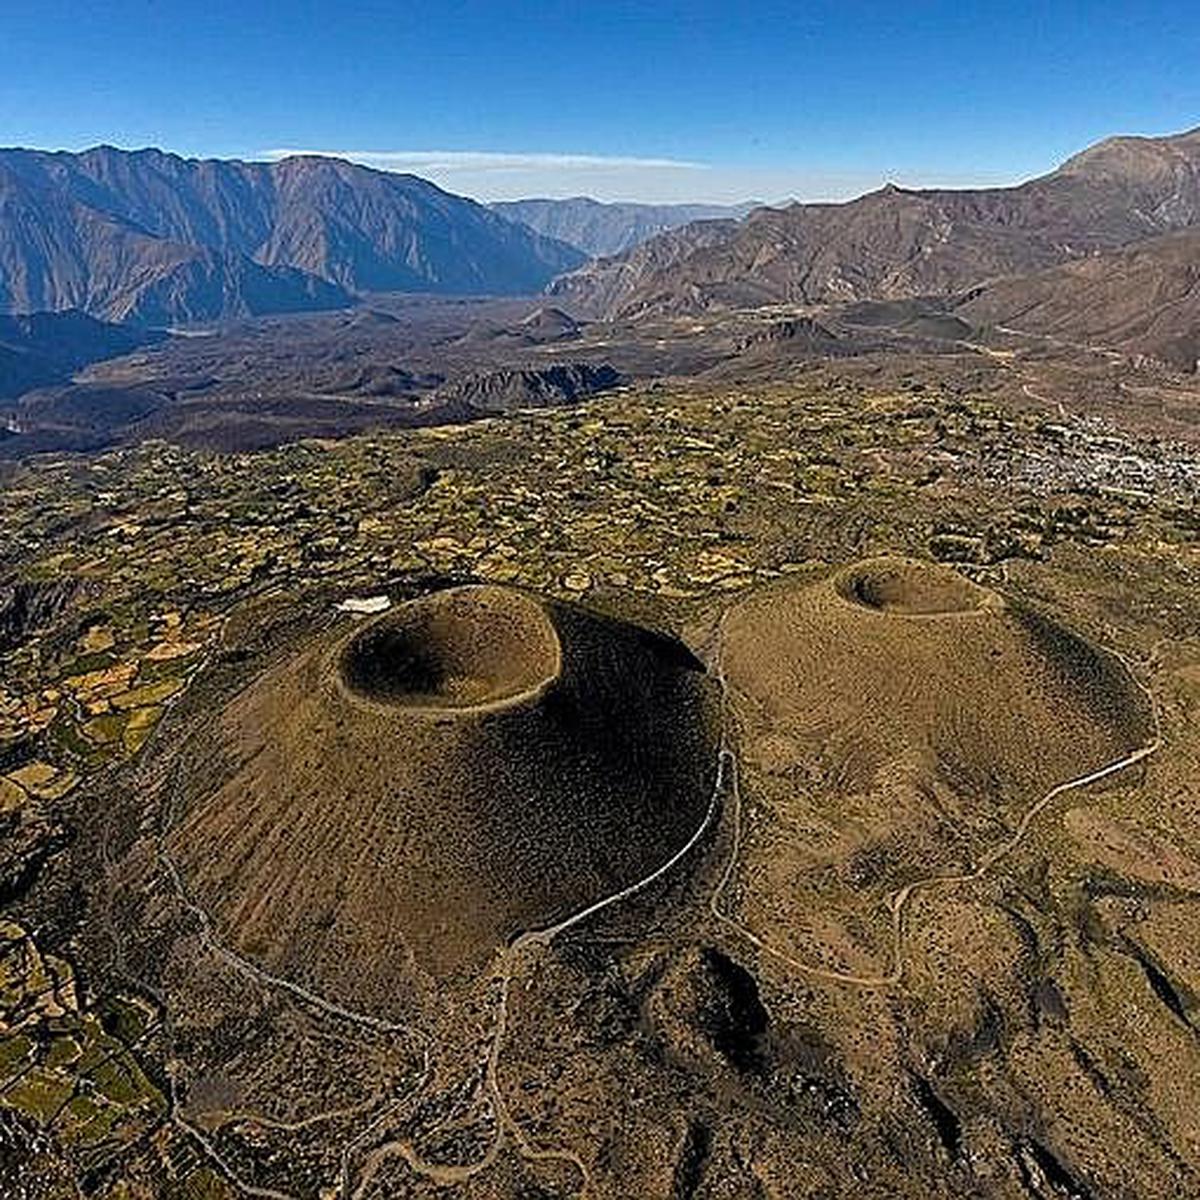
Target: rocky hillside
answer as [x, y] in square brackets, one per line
[530, 387]
[1142, 300]
[598, 228]
[160, 239]
[897, 242]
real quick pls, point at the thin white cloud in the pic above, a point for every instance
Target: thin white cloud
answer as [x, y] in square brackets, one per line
[491, 160]
[499, 175]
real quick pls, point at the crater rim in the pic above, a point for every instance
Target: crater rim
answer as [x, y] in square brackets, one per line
[471, 649]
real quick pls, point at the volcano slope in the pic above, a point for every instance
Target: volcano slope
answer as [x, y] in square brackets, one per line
[898, 722]
[400, 800]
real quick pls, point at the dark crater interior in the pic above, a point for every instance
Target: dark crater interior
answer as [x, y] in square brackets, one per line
[462, 648]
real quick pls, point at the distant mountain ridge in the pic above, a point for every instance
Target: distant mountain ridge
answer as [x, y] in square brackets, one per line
[895, 242]
[600, 228]
[152, 237]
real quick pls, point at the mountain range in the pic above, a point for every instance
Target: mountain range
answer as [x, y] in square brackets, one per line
[897, 242]
[599, 228]
[154, 238]
[1143, 299]
[1105, 249]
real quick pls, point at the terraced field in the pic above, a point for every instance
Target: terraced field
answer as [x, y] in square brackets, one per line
[779, 792]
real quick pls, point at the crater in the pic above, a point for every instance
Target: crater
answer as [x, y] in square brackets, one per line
[466, 648]
[964, 703]
[358, 845]
[906, 587]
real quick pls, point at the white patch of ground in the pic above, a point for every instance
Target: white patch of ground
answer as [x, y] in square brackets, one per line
[365, 605]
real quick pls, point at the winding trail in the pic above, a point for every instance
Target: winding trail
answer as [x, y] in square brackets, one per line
[532, 939]
[1050, 339]
[507, 1129]
[252, 971]
[727, 780]
[1008, 361]
[900, 900]
[506, 1125]
[257, 973]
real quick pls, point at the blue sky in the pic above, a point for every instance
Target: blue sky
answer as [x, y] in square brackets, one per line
[652, 101]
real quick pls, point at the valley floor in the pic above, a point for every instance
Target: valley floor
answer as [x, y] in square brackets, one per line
[1030, 1031]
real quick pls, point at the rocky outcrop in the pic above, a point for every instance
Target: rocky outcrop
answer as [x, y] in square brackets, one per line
[531, 387]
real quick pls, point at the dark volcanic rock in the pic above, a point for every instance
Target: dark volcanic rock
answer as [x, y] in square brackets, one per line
[798, 332]
[549, 324]
[95, 408]
[46, 348]
[531, 387]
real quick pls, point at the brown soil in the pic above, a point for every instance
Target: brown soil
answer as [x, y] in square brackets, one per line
[472, 765]
[896, 721]
[918, 589]
[461, 648]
